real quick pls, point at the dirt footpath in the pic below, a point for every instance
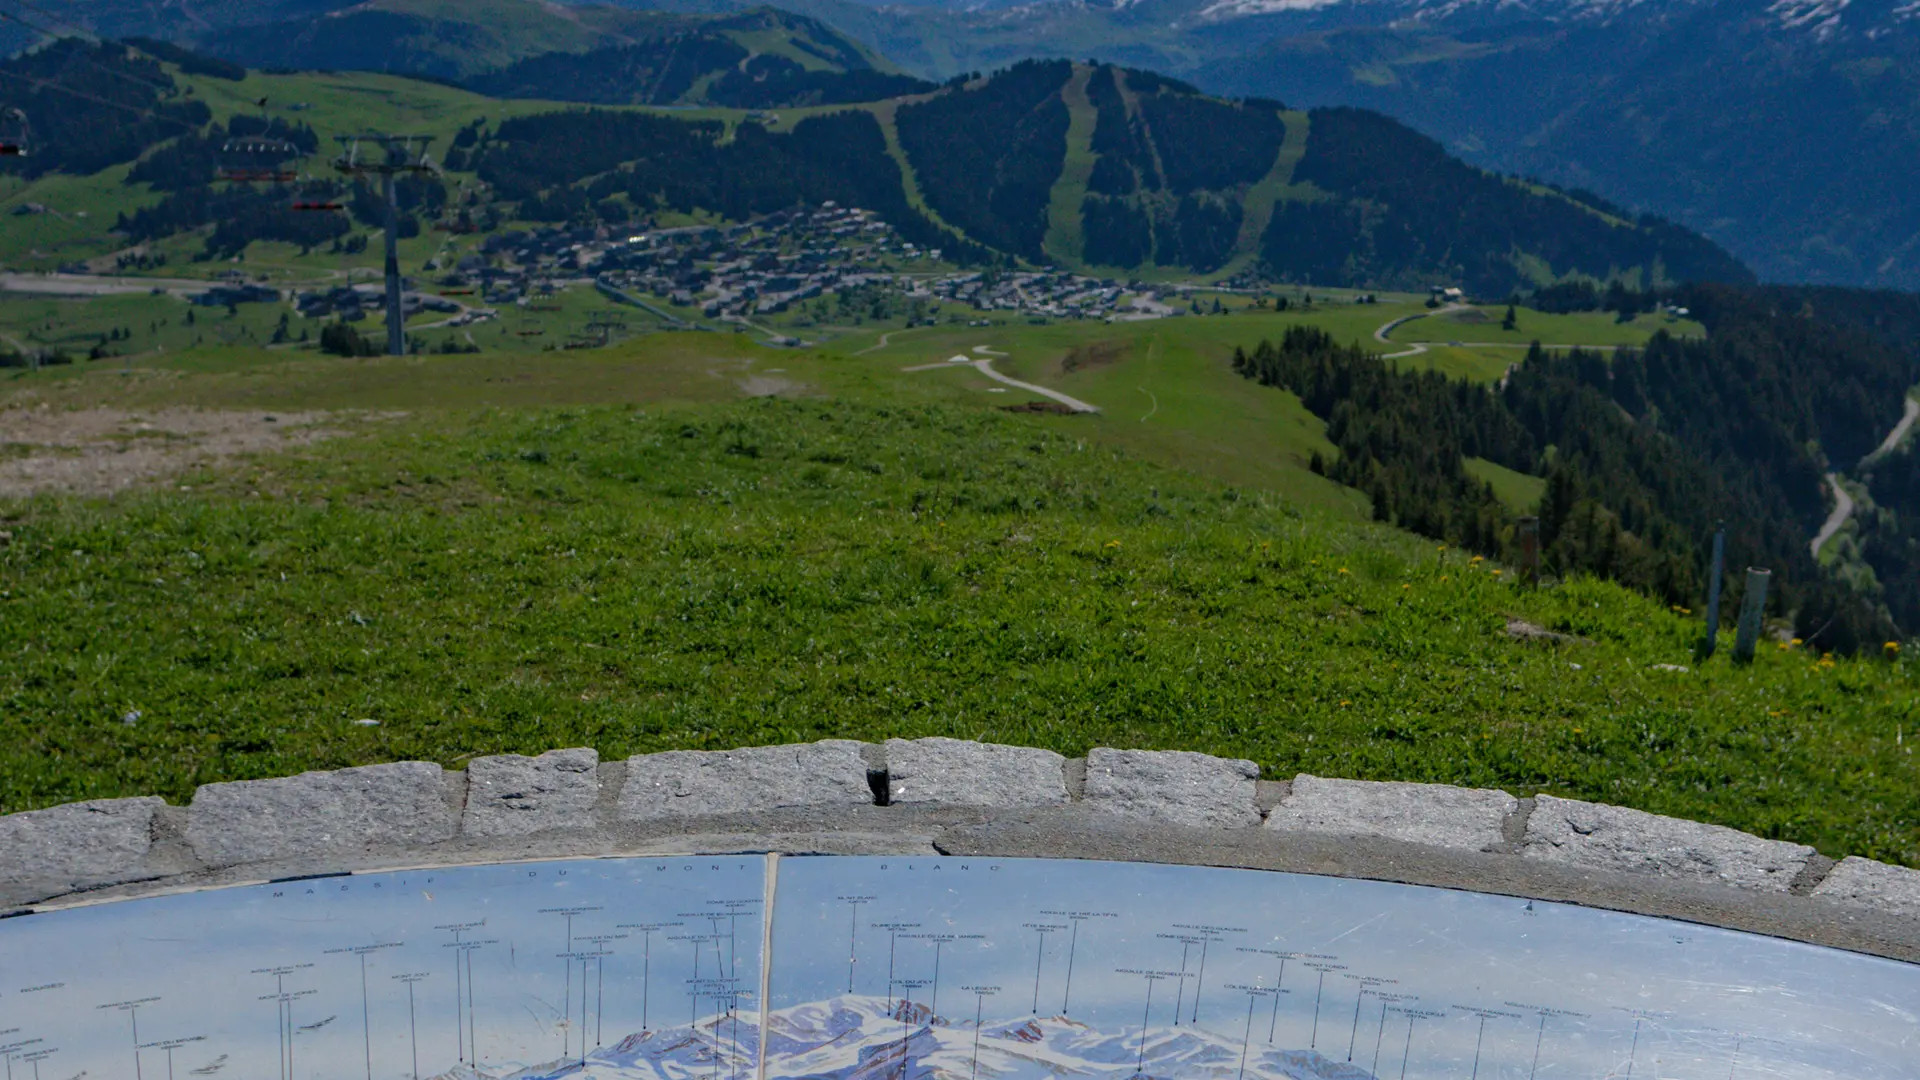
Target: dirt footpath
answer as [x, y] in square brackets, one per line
[102, 451]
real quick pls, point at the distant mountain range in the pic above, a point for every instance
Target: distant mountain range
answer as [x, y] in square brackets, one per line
[605, 55]
[1787, 130]
[1088, 167]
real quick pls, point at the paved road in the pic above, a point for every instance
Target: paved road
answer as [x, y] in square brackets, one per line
[1842, 510]
[1415, 348]
[91, 285]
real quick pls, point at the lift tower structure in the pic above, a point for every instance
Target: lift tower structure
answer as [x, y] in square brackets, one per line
[397, 155]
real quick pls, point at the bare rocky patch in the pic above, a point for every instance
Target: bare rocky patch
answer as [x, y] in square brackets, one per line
[104, 451]
[769, 386]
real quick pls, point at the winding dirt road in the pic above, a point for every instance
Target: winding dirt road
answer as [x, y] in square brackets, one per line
[984, 365]
[1842, 510]
[1899, 432]
[885, 340]
[1843, 505]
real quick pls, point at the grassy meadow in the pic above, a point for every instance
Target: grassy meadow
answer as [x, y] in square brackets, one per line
[1164, 387]
[614, 549]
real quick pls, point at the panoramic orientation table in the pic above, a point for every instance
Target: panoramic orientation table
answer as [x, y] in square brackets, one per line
[907, 968]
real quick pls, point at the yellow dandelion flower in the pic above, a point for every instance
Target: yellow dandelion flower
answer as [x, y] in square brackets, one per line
[1343, 569]
[1496, 573]
[1345, 703]
[1443, 577]
[1477, 559]
[1797, 641]
[1406, 586]
[1113, 544]
[1892, 646]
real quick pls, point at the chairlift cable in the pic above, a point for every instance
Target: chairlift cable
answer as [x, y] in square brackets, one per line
[164, 89]
[96, 39]
[121, 105]
[78, 30]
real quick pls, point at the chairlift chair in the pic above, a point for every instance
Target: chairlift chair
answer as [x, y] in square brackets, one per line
[14, 134]
[255, 161]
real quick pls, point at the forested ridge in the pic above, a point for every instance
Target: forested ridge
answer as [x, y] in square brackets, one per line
[1408, 213]
[1642, 452]
[1168, 184]
[986, 154]
[1171, 174]
[654, 162]
[1889, 528]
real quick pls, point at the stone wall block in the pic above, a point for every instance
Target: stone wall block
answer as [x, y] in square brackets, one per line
[1174, 787]
[954, 772]
[374, 807]
[1603, 837]
[1432, 814]
[510, 795]
[77, 845]
[695, 783]
[1863, 882]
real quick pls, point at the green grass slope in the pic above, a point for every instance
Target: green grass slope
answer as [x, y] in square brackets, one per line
[542, 49]
[1064, 243]
[711, 576]
[442, 38]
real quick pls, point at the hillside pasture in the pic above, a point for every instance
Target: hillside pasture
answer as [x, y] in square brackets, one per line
[458, 582]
